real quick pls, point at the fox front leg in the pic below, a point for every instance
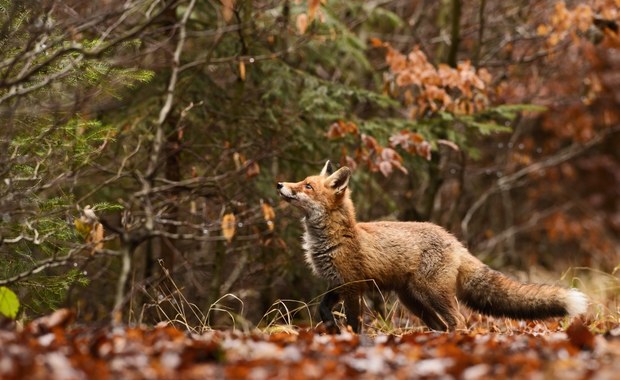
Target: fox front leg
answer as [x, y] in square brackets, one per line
[331, 298]
[352, 307]
[353, 311]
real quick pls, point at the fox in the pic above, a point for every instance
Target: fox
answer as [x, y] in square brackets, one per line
[427, 267]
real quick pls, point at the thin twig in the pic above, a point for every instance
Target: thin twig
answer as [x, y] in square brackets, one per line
[506, 182]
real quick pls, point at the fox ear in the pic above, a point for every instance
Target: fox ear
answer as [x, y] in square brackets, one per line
[327, 169]
[340, 179]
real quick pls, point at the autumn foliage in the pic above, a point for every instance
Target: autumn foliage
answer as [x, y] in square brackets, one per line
[52, 348]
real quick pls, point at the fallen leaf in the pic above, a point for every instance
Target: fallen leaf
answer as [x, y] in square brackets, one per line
[580, 336]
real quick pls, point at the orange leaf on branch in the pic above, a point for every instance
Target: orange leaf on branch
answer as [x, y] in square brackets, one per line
[375, 42]
[302, 23]
[242, 70]
[269, 214]
[313, 6]
[412, 142]
[341, 128]
[227, 9]
[228, 226]
[252, 170]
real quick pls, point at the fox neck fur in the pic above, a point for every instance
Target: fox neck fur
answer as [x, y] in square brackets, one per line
[328, 234]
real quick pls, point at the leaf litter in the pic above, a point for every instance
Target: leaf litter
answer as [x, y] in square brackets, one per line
[53, 348]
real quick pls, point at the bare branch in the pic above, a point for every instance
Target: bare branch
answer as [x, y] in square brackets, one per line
[505, 182]
[165, 110]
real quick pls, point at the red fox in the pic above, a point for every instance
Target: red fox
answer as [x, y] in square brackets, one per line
[427, 267]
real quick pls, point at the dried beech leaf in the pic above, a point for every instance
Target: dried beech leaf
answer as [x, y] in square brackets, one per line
[252, 170]
[242, 70]
[376, 42]
[228, 226]
[313, 6]
[269, 214]
[97, 237]
[227, 9]
[580, 336]
[302, 23]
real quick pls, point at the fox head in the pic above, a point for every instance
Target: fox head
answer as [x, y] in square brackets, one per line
[320, 193]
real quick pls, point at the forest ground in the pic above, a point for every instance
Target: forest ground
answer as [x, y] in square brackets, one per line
[53, 347]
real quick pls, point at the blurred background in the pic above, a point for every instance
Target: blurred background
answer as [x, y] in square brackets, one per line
[141, 141]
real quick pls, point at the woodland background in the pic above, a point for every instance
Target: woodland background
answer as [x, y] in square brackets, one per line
[171, 121]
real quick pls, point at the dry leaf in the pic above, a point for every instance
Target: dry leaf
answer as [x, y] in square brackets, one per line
[228, 226]
[542, 30]
[580, 336]
[96, 237]
[242, 70]
[269, 214]
[313, 6]
[302, 23]
[253, 170]
[227, 9]
[239, 159]
[375, 42]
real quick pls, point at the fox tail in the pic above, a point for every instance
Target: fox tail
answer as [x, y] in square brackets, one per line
[492, 293]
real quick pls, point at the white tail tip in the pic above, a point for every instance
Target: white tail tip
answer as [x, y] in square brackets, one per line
[576, 302]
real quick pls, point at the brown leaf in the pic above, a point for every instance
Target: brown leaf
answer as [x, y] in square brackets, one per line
[269, 214]
[341, 128]
[239, 160]
[424, 150]
[542, 30]
[59, 318]
[96, 237]
[242, 70]
[579, 336]
[313, 6]
[302, 23]
[376, 42]
[253, 170]
[227, 9]
[228, 226]
[385, 167]
[371, 142]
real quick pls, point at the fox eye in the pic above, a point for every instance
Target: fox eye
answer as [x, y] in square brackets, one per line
[308, 186]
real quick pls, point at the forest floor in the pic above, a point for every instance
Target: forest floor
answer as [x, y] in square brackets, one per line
[53, 348]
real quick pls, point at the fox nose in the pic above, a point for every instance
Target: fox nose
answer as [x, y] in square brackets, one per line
[279, 185]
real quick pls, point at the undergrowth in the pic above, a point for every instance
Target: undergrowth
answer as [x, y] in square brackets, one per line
[382, 313]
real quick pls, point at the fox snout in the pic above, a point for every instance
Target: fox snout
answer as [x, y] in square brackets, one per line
[285, 191]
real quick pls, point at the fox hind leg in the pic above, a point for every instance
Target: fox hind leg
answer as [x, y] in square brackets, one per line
[421, 310]
[445, 306]
[436, 308]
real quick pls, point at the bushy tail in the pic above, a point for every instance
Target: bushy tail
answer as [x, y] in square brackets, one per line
[492, 293]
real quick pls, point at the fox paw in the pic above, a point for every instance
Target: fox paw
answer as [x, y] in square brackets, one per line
[328, 328]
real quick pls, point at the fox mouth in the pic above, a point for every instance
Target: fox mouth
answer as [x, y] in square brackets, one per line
[286, 197]
[286, 193]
